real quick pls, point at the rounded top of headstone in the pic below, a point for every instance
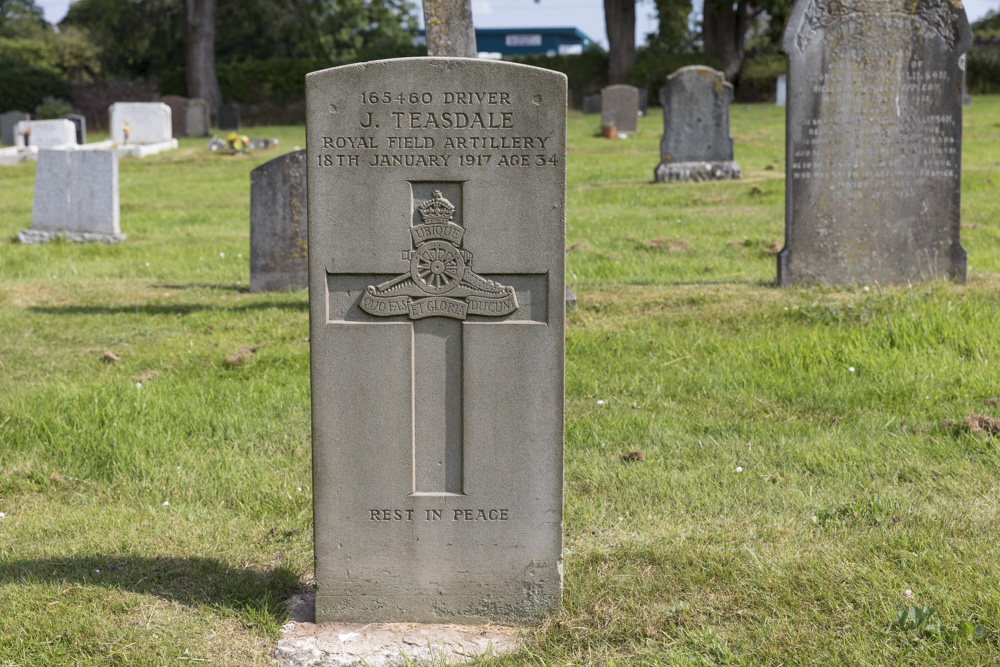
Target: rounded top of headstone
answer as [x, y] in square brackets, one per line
[946, 17]
[448, 64]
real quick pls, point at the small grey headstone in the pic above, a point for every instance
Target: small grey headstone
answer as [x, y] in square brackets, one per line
[7, 122]
[620, 107]
[278, 224]
[696, 145]
[76, 197]
[643, 101]
[197, 118]
[229, 117]
[592, 104]
[874, 141]
[149, 122]
[45, 133]
[781, 95]
[177, 105]
[437, 268]
[80, 121]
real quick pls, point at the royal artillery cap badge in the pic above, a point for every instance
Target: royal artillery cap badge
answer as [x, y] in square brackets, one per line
[440, 282]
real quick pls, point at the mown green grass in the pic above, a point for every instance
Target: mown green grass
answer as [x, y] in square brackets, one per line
[785, 505]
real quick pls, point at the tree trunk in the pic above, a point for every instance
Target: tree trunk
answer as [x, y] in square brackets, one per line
[199, 33]
[619, 17]
[723, 31]
[448, 28]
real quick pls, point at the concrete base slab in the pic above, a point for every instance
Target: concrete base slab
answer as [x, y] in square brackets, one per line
[145, 150]
[35, 236]
[16, 155]
[697, 171]
[306, 644]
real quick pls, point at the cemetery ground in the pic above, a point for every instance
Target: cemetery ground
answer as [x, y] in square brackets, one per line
[754, 475]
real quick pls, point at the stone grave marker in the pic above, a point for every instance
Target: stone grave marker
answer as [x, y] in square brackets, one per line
[781, 94]
[874, 141]
[80, 121]
[592, 104]
[643, 101]
[696, 145]
[620, 107]
[45, 133]
[436, 260]
[76, 197]
[7, 122]
[229, 117]
[197, 118]
[177, 105]
[278, 224]
[150, 122]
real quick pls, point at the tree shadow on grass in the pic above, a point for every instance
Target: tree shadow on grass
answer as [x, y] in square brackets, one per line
[192, 581]
[167, 308]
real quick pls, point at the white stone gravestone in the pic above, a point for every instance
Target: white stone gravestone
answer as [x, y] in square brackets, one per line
[76, 197]
[45, 133]
[436, 191]
[149, 128]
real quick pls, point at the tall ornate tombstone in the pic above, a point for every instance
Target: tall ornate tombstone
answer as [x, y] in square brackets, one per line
[278, 224]
[436, 264]
[620, 107]
[696, 145]
[874, 136]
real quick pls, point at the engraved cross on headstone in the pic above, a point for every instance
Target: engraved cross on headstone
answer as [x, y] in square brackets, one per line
[439, 292]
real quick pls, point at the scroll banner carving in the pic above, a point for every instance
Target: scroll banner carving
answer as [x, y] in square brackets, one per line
[440, 282]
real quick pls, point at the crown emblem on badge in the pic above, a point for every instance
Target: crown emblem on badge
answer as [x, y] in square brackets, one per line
[436, 210]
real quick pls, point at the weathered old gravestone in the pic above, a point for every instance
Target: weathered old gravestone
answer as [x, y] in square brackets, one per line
[148, 122]
[76, 197]
[229, 116]
[278, 224]
[197, 118]
[7, 122]
[436, 262]
[45, 133]
[592, 104]
[620, 107]
[643, 101]
[696, 145]
[781, 94]
[80, 123]
[874, 141]
[177, 105]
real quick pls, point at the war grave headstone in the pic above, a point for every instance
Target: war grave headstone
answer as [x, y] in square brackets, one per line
[177, 105]
[76, 197]
[229, 117]
[696, 145]
[620, 107]
[874, 135]
[7, 122]
[278, 224]
[436, 191]
[45, 133]
[80, 121]
[197, 118]
[592, 104]
[149, 124]
[781, 94]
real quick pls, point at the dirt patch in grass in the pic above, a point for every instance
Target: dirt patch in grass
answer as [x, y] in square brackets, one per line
[983, 425]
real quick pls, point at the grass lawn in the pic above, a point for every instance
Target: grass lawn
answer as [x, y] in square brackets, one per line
[809, 467]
